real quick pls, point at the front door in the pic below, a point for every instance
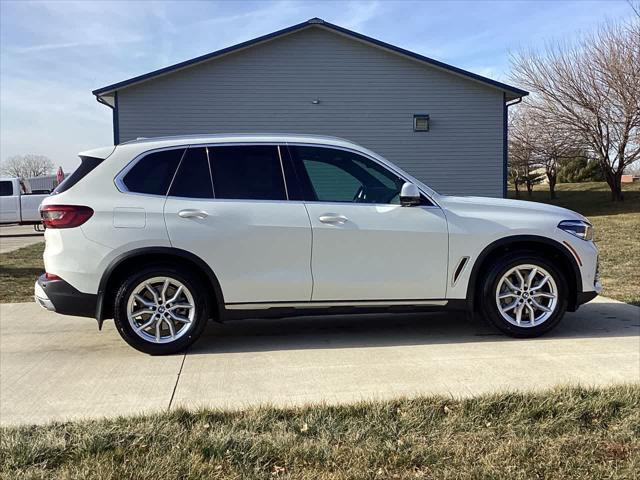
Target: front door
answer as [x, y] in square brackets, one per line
[229, 205]
[366, 246]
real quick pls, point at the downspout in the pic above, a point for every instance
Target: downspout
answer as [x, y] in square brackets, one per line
[114, 108]
[505, 141]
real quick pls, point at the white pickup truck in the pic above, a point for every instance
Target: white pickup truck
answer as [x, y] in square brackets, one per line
[18, 204]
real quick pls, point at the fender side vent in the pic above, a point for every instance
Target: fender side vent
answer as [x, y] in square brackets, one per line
[459, 270]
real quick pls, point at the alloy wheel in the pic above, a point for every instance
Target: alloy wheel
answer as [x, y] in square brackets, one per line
[527, 295]
[161, 310]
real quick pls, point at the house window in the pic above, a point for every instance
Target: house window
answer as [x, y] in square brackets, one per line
[421, 123]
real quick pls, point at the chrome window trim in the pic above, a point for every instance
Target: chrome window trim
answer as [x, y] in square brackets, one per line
[213, 187]
[284, 177]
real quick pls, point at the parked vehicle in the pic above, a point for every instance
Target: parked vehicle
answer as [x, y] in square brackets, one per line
[18, 204]
[165, 234]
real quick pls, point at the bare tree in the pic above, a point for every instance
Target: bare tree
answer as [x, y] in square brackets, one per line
[27, 166]
[523, 164]
[591, 90]
[516, 173]
[552, 145]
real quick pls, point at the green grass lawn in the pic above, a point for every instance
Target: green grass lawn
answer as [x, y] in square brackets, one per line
[617, 231]
[570, 433]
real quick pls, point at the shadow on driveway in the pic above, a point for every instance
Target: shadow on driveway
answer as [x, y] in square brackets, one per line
[597, 319]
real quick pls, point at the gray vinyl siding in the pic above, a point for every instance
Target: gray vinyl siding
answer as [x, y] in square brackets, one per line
[367, 95]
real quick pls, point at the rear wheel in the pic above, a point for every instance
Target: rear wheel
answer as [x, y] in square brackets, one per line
[160, 310]
[524, 295]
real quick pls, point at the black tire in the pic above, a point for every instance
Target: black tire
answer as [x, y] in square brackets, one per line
[198, 324]
[489, 286]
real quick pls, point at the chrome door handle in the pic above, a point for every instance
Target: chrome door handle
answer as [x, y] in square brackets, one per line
[333, 218]
[192, 213]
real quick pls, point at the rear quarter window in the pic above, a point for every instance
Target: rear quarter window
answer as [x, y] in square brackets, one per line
[153, 173]
[87, 164]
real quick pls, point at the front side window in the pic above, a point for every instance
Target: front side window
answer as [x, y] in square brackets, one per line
[154, 172]
[335, 175]
[193, 179]
[251, 172]
[6, 189]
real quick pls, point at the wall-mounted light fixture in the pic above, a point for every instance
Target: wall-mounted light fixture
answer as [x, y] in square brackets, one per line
[421, 122]
[315, 101]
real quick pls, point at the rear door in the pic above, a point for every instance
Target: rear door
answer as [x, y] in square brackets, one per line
[366, 246]
[9, 203]
[230, 206]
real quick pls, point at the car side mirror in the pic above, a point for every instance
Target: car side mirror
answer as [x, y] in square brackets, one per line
[410, 195]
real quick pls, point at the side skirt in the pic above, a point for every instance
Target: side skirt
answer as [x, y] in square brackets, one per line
[284, 310]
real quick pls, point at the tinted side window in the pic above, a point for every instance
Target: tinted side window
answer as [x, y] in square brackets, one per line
[193, 179]
[86, 166]
[341, 176]
[330, 182]
[6, 189]
[154, 172]
[247, 172]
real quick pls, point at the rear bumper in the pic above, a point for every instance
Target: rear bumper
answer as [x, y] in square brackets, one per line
[60, 297]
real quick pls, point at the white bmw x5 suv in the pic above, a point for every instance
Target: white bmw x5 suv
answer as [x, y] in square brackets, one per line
[164, 234]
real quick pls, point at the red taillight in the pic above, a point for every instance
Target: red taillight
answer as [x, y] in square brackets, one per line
[51, 276]
[65, 216]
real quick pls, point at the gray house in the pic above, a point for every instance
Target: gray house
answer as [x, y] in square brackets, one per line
[444, 125]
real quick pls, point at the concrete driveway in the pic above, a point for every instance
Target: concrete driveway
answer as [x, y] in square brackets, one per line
[13, 237]
[54, 367]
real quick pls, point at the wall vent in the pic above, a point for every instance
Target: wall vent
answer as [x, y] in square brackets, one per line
[421, 123]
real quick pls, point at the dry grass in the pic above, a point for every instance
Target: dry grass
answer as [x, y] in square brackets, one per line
[565, 433]
[18, 272]
[617, 231]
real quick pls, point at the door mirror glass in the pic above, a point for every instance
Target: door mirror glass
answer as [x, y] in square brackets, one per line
[409, 195]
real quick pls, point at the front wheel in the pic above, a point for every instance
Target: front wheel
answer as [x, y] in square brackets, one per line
[160, 310]
[524, 295]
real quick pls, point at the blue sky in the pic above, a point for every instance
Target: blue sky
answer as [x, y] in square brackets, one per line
[52, 54]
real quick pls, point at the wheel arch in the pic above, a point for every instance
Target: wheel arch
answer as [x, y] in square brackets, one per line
[139, 257]
[534, 243]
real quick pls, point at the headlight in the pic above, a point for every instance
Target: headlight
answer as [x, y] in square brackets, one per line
[579, 228]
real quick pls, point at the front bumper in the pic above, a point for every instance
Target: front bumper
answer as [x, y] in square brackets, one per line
[584, 297]
[60, 297]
